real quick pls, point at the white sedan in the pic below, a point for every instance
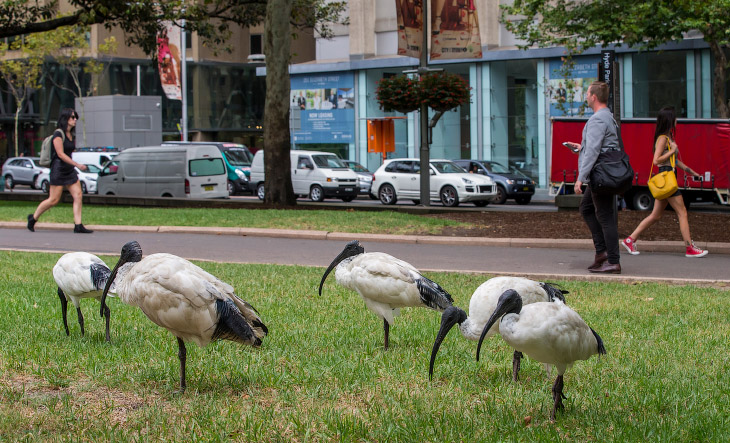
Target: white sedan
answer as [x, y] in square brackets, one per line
[87, 179]
[450, 184]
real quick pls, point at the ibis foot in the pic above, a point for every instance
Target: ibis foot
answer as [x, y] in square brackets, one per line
[558, 396]
[182, 354]
[516, 360]
[386, 328]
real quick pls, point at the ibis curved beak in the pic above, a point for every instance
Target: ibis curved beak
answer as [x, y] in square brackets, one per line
[108, 285]
[509, 301]
[451, 316]
[343, 255]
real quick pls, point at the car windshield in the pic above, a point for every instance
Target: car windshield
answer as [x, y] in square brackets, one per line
[328, 161]
[497, 168]
[93, 169]
[357, 167]
[238, 157]
[447, 167]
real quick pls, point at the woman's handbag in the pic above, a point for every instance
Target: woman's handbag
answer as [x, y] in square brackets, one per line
[663, 184]
[612, 173]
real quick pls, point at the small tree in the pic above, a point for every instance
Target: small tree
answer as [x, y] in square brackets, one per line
[69, 48]
[22, 74]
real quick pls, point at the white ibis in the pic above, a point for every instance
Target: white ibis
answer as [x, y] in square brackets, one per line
[184, 299]
[80, 275]
[482, 305]
[385, 283]
[550, 333]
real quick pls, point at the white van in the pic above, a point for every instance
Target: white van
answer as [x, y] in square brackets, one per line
[316, 174]
[89, 156]
[194, 171]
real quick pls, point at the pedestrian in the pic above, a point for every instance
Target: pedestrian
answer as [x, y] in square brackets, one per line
[598, 210]
[63, 174]
[665, 147]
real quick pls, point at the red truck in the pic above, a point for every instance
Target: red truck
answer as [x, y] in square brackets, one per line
[704, 145]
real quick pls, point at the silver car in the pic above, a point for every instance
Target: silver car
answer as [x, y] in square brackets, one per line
[364, 176]
[21, 171]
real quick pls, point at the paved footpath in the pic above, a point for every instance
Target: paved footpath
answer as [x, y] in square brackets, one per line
[534, 258]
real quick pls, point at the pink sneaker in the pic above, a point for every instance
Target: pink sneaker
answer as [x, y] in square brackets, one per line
[630, 246]
[694, 251]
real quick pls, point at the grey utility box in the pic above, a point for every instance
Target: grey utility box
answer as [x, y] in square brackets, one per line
[122, 121]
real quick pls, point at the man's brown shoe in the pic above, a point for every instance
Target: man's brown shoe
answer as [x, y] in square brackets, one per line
[599, 260]
[608, 268]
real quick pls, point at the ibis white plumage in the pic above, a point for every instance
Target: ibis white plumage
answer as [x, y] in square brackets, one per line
[482, 305]
[80, 275]
[184, 299]
[385, 283]
[550, 333]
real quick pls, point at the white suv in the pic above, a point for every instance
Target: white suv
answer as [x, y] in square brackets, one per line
[400, 178]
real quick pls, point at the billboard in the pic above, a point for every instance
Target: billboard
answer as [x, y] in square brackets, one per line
[567, 83]
[326, 107]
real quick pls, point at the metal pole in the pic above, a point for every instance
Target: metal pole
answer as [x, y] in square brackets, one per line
[139, 80]
[183, 83]
[425, 168]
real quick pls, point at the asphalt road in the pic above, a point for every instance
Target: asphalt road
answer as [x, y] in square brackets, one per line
[534, 262]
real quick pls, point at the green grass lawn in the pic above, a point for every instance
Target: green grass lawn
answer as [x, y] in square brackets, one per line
[380, 222]
[322, 375]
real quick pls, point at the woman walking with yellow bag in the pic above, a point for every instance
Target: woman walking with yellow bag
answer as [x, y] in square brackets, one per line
[665, 154]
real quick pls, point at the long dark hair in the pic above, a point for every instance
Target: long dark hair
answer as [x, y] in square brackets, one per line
[665, 123]
[67, 113]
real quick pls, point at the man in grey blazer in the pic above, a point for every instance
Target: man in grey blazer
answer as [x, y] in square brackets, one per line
[599, 134]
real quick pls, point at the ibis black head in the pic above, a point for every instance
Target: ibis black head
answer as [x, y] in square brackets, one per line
[352, 249]
[131, 252]
[509, 302]
[451, 316]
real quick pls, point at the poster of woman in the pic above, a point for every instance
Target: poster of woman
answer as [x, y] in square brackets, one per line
[168, 60]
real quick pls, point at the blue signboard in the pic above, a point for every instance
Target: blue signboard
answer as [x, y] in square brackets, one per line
[567, 87]
[326, 107]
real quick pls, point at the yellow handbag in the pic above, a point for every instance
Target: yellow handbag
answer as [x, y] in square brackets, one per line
[663, 184]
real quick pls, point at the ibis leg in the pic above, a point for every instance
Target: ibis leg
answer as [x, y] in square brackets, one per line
[81, 319]
[64, 308]
[107, 314]
[558, 396]
[182, 354]
[386, 328]
[516, 359]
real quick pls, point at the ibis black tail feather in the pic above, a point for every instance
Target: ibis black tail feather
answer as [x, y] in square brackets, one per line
[233, 326]
[433, 295]
[554, 292]
[601, 348]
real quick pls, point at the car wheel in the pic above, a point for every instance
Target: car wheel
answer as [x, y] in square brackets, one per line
[231, 188]
[45, 187]
[449, 197]
[316, 193]
[260, 191]
[501, 195]
[348, 199]
[523, 200]
[9, 183]
[481, 203]
[416, 201]
[83, 188]
[387, 195]
[643, 201]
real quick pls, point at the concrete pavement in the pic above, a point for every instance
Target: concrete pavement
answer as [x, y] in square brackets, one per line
[541, 259]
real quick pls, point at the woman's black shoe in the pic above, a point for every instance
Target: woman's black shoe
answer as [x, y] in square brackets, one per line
[31, 223]
[80, 229]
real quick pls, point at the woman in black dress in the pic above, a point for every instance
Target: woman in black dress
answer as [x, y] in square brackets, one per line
[63, 174]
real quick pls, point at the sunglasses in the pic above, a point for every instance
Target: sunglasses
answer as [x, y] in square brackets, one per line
[75, 117]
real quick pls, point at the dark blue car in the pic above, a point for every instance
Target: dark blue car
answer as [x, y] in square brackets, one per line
[510, 183]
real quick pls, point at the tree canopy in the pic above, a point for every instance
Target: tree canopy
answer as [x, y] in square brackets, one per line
[644, 24]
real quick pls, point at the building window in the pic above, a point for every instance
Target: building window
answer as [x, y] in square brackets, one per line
[660, 79]
[256, 44]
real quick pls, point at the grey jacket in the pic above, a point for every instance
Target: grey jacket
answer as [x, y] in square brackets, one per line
[599, 134]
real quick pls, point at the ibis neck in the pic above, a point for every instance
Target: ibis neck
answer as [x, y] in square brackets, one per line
[469, 329]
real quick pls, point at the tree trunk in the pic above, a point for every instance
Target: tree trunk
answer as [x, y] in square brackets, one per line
[718, 87]
[17, 129]
[277, 46]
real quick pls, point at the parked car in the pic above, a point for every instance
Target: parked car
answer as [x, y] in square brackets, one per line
[316, 174]
[21, 171]
[364, 176]
[94, 156]
[87, 178]
[237, 158]
[450, 183]
[510, 183]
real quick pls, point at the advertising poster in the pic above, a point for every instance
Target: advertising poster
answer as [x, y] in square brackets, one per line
[326, 105]
[168, 60]
[410, 27]
[455, 30]
[567, 85]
